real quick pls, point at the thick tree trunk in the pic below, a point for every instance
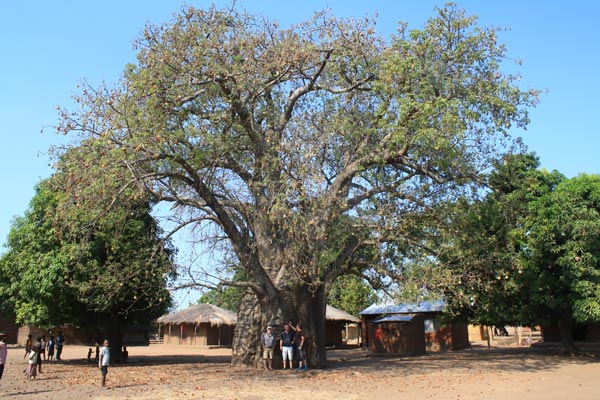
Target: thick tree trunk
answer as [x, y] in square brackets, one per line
[565, 326]
[114, 335]
[246, 338]
[296, 306]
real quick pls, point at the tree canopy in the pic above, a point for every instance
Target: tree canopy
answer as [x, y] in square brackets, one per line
[112, 274]
[560, 255]
[263, 138]
[477, 266]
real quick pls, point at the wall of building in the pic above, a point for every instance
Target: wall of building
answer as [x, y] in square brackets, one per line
[11, 329]
[197, 335]
[398, 337]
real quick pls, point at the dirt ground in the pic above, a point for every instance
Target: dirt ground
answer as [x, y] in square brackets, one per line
[168, 372]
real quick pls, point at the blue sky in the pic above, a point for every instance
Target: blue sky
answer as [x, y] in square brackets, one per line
[47, 47]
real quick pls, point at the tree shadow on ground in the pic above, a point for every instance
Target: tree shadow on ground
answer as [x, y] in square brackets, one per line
[519, 359]
[145, 360]
[467, 361]
[360, 361]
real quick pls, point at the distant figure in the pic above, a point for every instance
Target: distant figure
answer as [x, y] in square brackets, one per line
[51, 344]
[60, 342]
[28, 345]
[89, 356]
[500, 331]
[31, 371]
[97, 354]
[125, 354]
[43, 348]
[3, 352]
[104, 362]
[38, 349]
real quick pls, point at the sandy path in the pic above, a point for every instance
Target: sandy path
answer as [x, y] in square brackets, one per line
[166, 372]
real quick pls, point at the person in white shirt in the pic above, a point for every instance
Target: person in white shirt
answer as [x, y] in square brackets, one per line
[104, 361]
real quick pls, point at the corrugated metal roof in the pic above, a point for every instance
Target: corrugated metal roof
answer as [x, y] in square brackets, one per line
[395, 318]
[405, 308]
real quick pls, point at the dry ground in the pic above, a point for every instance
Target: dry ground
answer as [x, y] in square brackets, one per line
[166, 372]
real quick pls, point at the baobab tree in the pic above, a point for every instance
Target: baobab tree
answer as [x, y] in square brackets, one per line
[305, 149]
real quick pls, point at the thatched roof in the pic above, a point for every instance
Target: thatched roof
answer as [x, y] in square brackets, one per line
[199, 314]
[207, 313]
[333, 314]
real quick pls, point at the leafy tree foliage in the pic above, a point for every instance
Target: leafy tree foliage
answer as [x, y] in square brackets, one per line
[527, 252]
[351, 294]
[263, 138]
[479, 269]
[561, 253]
[227, 297]
[112, 275]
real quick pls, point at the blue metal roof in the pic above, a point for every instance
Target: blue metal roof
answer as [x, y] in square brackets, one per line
[395, 318]
[405, 308]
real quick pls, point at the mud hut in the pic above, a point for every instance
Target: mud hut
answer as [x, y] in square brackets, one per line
[412, 322]
[198, 325]
[340, 327]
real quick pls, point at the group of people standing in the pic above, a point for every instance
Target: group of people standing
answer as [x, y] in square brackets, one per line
[42, 350]
[292, 344]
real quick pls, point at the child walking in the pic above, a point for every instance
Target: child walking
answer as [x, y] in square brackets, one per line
[104, 361]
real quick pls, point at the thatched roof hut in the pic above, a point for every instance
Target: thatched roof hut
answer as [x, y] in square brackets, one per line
[199, 314]
[334, 314]
[340, 327]
[200, 324]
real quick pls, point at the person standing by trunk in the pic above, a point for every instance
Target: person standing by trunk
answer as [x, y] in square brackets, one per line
[300, 341]
[268, 342]
[104, 361]
[287, 345]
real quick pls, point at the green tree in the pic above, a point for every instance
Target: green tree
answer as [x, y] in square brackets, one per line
[527, 252]
[265, 137]
[478, 250]
[351, 294]
[110, 276]
[561, 253]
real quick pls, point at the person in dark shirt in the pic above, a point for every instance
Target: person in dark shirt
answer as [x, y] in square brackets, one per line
[300, 342]
[60, 342]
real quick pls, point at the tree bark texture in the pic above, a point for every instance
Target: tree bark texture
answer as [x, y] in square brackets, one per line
[294, 306]
[565, 326]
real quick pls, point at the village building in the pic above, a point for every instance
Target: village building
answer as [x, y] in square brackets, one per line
[209, 325]
[341, 328]
[198, 325]
[11, 329]
[412, 328]
[589, 332]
